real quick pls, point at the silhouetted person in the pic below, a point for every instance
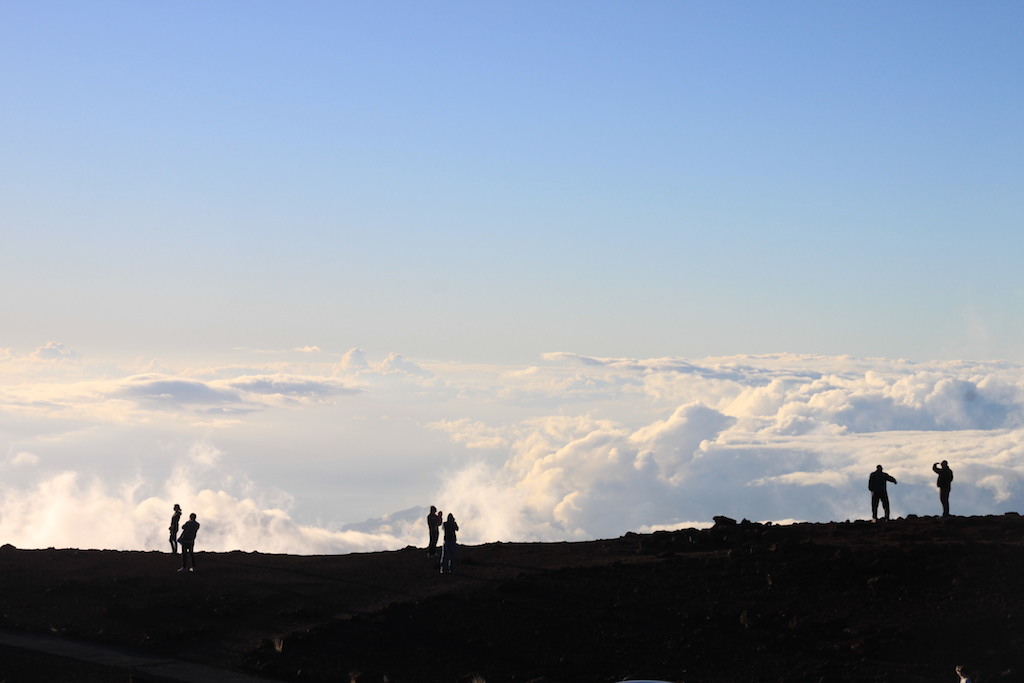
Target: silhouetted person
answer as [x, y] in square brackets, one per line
[188, 543]
[876, 484]
[448, 550]
[173, 528]
[945, 482]
[433, 526]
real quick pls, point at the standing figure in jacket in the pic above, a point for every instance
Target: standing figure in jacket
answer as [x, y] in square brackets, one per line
[173, 528]
[448, 550]
[876, 484]
[433, 527]
[945, 482]
[188, 543]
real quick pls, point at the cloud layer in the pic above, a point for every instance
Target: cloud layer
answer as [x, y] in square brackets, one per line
[289, 452]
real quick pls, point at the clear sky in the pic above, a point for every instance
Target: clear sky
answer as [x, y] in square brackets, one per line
[566, 268]
[497, 180]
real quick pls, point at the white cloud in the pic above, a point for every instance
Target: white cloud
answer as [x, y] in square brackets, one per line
[69, 509]
[573, 447]
[54, 351]
[473, 434]
[397, 363]
[354, 360]
[283, 387]
[778, 437]
[23, 459]
[156, 390]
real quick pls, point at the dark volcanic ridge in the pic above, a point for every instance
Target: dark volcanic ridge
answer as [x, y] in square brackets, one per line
[905, 600]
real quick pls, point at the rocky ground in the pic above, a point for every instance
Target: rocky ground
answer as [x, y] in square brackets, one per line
[906, 600]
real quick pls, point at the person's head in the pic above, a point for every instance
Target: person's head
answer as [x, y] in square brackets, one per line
[177, 508]
[945, 463]
[879, 468]
[451, 517]
[433, 509]
[192, 516]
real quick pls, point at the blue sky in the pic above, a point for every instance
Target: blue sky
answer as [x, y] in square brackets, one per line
[498, 180]
[566, 268]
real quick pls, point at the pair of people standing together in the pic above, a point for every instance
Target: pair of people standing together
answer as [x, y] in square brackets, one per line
[878, 480]
[187, 539]
[450, 526]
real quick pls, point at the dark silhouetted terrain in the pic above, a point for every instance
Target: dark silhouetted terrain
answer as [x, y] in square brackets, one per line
[900, 601]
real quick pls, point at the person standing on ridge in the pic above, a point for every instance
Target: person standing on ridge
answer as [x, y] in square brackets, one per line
[876, 484]
[174, 529]
[448, 550]
[433, 527]
[188, 543]
[944, 482]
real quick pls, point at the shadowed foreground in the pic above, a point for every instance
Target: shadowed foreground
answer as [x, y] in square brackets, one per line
[900, 601]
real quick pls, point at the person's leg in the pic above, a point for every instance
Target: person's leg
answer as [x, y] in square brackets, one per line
[885, 504]
[874, 506]
[944, 498]
[446, 558]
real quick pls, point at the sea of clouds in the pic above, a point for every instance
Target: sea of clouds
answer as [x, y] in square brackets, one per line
[311, 452]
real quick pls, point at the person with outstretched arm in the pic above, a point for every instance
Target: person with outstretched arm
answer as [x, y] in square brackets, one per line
[879, 494]
[944, 482]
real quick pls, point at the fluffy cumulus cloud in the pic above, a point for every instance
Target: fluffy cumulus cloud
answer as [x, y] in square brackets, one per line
[270, 450]
[70, 510]
[768, 438]
[54, 351]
